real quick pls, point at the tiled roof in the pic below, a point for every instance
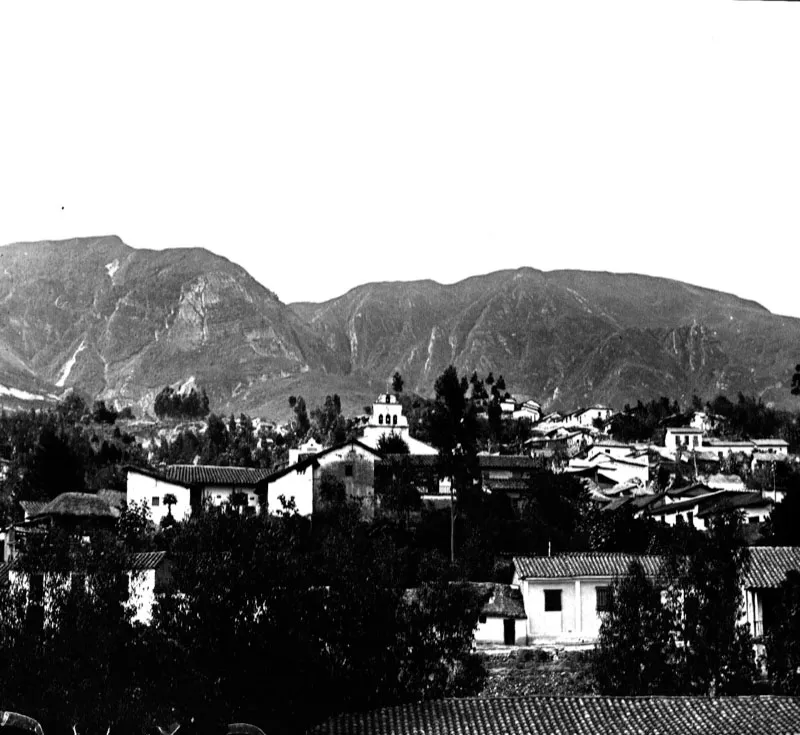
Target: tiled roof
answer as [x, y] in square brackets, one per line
[4, 567]
[191, 474]
[769, 564]
[85, 505]
[733, 501]
[32, 507]
[514, 461]
[145, 560]
[576, 716]
[583, 564]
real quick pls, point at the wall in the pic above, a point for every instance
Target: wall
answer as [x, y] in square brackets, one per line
[141, 594]
[219, 494]
[493, 631]
[355, 467]
[572, 623]
[143, 488]
[297, 485]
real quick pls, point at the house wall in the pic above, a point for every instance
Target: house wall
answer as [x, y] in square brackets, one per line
[297, 485]
[219, 494]
[578, 619]
[141, 594]
[355, 467]
[144, 488]
[493, 631]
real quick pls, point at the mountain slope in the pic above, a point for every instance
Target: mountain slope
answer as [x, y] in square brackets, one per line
[565, 337]
[122, 323]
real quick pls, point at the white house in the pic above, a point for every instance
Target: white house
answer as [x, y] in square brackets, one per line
[149, 573]
[771, 446]
[683, 437]
[725, 447]
[353, 463]
[387, 419]
[530, 410]
[586, 417]
[192, 486]
[566, 594]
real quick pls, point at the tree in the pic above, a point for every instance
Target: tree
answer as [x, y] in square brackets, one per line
[796, 381]
[783, 640]
[636, 645]
[454, 434]
[392, 444]
[717, 653]
[169, 501]
[397, 382]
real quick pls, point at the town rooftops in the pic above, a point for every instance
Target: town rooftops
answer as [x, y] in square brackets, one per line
[583, 564]
[562, 715]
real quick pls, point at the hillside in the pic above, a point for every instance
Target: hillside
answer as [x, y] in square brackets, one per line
[565, 337]
[121, 323]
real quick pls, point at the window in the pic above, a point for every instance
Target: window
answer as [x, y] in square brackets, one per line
[690, 518]
[394, 420]
[481, 618]
[156, 501]
[694, 440]
[752, 519]
[348, 470]
[380, 418]
[603, 599]
[552, 600]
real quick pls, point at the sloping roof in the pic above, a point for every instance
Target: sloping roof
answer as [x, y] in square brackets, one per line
[32, 507]
[115, 498]
[497, 600]
[576, 715]
[144, 560]
[508, 461]
[4, 567]
[304, 464]
[502, 600]
[770, 442]
[191, 474]
[583, 564]
[769, 564]
[733, 501]
[83, 505]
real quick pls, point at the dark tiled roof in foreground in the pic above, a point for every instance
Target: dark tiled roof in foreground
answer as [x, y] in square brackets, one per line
[577, 716]
[769, 564]
[4, 567]
[588, 564]
[144, 560]
[191, 474]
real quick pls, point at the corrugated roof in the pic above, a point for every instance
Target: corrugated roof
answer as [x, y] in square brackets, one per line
[769, 564]
[583, 564]
[200, 474]
[4, 567]
[583, 715]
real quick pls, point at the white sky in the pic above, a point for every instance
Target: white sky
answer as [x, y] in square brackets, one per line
[326, 144]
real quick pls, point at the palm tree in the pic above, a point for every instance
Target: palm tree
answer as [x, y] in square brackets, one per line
[169, 501]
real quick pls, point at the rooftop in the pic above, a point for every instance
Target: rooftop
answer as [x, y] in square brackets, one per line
[541, 715]
[583, 564]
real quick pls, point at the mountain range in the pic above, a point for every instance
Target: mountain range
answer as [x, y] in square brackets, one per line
[119, 323]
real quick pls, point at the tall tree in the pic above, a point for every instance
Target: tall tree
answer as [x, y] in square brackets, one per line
[636, 644]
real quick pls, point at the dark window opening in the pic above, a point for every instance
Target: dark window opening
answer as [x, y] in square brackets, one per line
[509, 632]
[603, 599]
[348, 470]
[481, 618]
[380, 418]
[156, 501]
[552, 600]
[752, 519]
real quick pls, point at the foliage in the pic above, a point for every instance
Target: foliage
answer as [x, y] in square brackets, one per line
[103, 414]
[783, 640]
[397, 383]
[636, 646]
[392, 444]
[170, 403]
[329, 426]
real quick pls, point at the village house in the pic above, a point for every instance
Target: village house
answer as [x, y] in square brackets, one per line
[352, 463]
[566, 594]
[530, 410]
[589, 417]
[683, 437]
[725, 448]
[193, 486]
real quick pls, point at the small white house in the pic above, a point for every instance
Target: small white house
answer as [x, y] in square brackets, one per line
[565, 595]
[149, 573]
[683, 437]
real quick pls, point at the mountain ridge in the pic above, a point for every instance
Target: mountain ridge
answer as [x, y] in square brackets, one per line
[119, 323]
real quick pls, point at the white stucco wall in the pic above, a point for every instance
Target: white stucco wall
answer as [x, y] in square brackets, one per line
[578, 619]
[144, 488]
[297, 485]
[141, 594]
[493, 631]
